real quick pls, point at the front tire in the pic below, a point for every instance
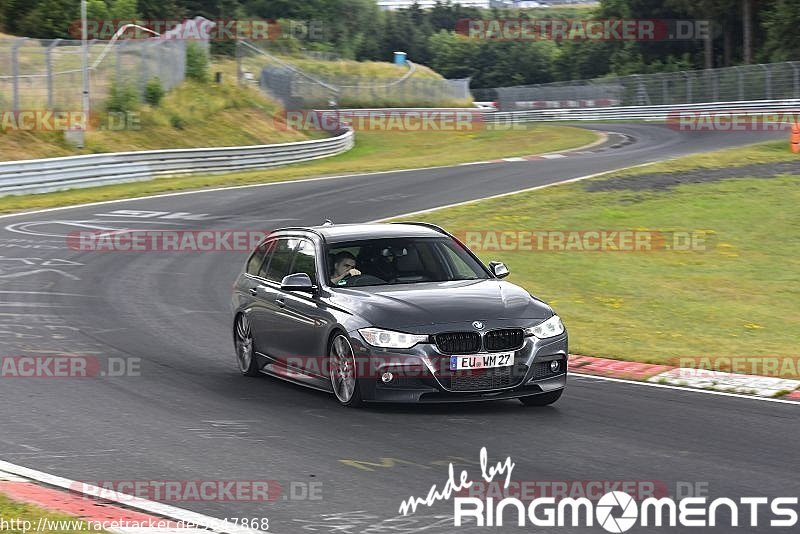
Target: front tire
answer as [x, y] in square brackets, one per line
[543, 399]
[245, 347]
[343, 371]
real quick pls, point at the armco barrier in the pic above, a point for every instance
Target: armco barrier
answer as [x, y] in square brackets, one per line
[53, 174]
[655, 113]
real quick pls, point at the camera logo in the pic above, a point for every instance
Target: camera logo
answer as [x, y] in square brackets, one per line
[607, 504]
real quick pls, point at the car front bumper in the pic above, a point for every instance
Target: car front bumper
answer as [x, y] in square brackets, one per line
[422, 375]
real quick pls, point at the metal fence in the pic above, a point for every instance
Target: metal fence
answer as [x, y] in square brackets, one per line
[46, 74]
[774, 81]
[298, 89]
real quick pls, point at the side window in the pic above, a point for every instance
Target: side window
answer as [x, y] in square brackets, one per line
[257, 258]
[281, 258]
[459, 266]
[304, 260]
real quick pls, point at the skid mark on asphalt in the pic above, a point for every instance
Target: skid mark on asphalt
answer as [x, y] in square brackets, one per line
[388, 462]
[229, 429]
[38, 334]
[31, 244]
[11, 267]
[58, 455]
[362, 522]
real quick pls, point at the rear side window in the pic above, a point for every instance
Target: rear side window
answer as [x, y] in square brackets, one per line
[257, 258]
[304, 260]
[279, 260]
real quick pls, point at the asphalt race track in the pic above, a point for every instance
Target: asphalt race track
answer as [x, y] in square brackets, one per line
[191, 417]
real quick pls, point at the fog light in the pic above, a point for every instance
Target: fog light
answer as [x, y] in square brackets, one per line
[554, 365]
[387, 377]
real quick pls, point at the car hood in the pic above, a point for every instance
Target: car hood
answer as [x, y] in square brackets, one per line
[404, 305]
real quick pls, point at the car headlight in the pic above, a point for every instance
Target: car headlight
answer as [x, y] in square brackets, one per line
[388, 339]
[549, 328]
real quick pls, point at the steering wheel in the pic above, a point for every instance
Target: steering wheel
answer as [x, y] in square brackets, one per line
[360, 280]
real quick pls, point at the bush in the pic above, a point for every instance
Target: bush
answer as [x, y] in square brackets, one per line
[153, 91]
[196, 63]
[123, 98]
[177, 122]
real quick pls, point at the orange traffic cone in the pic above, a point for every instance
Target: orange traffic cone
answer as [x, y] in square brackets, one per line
[794, 139]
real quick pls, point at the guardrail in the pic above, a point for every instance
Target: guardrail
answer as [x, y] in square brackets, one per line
[661, 112]
[54, 174]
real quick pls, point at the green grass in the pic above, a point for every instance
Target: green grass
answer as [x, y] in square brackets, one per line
[189, 116]
[16, 512]
[343, 67]
[374, 151]
[364, 82]
[767, 152]
[367, 69]
[737, 298]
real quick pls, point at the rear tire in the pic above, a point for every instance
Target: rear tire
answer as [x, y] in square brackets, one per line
[245, 347]
[343, 371]
[543, 399]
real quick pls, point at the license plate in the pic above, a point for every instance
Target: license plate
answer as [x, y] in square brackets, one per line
[481, 361]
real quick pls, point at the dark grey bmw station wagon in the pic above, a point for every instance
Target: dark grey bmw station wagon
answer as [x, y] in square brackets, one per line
[393, 313]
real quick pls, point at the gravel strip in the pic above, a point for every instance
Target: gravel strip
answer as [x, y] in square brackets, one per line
[666, 180]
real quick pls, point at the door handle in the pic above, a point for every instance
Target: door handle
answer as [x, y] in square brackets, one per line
[280, 302]
[254, 291]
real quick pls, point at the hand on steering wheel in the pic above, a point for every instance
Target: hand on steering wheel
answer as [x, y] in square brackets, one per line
[350, 274]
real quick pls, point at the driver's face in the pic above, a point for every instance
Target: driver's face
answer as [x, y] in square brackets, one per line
[345, 265]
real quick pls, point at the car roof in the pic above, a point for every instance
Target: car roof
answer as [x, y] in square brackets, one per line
[337, 233]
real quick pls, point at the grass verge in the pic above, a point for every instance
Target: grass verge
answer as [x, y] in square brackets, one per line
[374, 151]
[193, 114]
[25, 518]
[734, 295]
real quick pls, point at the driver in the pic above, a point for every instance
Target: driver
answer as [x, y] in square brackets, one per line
[344, 265]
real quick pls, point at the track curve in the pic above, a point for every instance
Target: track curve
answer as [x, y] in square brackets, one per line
[190, 416]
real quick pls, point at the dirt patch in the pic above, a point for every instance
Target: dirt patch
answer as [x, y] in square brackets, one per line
[667, 180]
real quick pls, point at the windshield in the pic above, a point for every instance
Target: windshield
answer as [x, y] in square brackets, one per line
[375, 262]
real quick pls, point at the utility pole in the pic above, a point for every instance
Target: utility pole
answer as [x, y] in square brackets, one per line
[85, 69]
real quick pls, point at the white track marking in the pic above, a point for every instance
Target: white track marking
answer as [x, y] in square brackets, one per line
[500, 195]
[48, 293]
[763, 386]
[163, 510]
[679, 388]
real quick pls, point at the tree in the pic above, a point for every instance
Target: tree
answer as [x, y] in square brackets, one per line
[124, 10]
[747, 31]
[161, 9]
[49, 19]
[781, 20]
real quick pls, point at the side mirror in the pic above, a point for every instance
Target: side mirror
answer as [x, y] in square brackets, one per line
[498, 269]
[297, 282]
